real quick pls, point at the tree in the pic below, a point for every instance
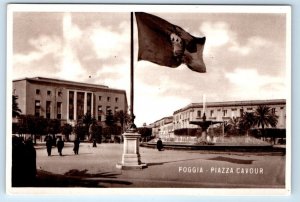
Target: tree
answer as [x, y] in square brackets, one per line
[246, 122]
[96, 132]
[16, 111]
[123, 118]
[145, 133]
[80, 130]
[226, 127]
[264, 117]
[66, 130]
[233, 124]
[88, 120]
[21, 126]
[109, 119]
[33, 125]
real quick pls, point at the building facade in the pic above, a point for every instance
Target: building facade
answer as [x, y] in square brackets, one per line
[163, 127]
[67, 100]
[221, 112]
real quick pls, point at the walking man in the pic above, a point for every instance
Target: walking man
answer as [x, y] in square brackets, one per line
[60, 145]
[76, 145]
[49, 142]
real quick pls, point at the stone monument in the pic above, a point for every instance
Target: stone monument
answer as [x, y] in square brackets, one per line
[131, 158]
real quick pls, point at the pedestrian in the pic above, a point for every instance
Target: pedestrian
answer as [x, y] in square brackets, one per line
[159, 145]
[94, 142]
[60, 145]
[76, 145]
[49, 142]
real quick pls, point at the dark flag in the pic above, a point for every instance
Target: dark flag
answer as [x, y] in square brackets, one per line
[168, 45]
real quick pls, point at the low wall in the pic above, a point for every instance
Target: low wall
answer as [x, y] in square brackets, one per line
[217, 147]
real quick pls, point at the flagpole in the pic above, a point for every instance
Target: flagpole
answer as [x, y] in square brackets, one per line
[133, 126]
[131, 158]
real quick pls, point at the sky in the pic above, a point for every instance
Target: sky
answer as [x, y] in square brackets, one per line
[244, 53]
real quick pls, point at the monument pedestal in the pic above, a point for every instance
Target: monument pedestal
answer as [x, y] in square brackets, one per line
[131, 158]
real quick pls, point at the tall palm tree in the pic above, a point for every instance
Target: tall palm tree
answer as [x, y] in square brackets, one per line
[16, 111]
[264, 117]
[247, 121]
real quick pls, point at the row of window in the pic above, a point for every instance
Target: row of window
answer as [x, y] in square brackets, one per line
[224, 112]
[59, 108]
[49, 92]
[108, 99]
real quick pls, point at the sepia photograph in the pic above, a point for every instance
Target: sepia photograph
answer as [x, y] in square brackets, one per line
[182, 99]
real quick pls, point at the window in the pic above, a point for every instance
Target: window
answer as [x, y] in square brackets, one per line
[48, 109]
[107, 109]
[117, 99]
[99, 98]
[89, 103]
[99, 112]
[37, 108]
[37, 91]
[108, 99]
[116, 109]
[58, 107]
[211, 113]
[199, 114]
[71, 105]
[273, 110]
[224, 112]
[59, 93]
[49, 92]
[80, 105]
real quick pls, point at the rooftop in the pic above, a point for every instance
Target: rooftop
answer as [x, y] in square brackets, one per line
[233, 104]
[66, 82]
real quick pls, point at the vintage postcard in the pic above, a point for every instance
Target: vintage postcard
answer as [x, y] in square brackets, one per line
[169, 99]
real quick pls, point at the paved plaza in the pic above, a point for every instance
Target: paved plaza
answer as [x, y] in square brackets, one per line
[96, 167]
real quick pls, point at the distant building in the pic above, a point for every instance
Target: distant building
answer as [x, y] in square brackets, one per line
[217, 111]
[67, 100]
[163, 127]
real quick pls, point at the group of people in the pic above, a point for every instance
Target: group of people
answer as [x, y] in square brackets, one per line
[60, 145]
[50, 142]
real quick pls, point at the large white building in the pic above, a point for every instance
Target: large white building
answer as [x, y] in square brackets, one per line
[216, 111]
[67, 100]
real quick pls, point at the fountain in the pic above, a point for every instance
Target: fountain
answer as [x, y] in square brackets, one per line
[204, 124]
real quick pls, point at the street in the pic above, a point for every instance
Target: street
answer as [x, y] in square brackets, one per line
[96, 167]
